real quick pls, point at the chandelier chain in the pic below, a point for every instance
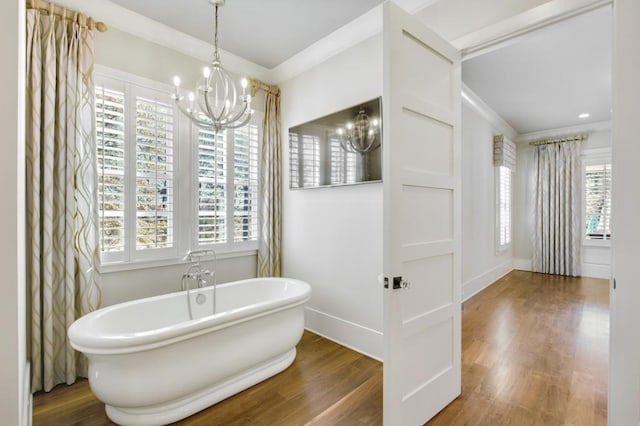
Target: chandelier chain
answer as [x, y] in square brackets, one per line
[216, 55]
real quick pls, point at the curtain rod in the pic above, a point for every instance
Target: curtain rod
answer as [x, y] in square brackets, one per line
[578, 138]
[259, 85]
[48, 8]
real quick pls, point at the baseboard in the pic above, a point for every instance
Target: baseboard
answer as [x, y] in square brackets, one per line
[595, 270]
[523, 264]
[346, 333]
[482, 281]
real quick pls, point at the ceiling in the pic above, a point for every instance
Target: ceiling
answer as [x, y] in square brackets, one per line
[545, 79]
[538, 81]
[264, 32]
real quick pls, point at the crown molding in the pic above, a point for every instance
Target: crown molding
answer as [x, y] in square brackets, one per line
[352, 33]
[506, 31]
[120, 18]
[596, 126]
[477, 104]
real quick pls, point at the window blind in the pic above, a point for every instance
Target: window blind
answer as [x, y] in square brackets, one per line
[311, 160]
[598, 201]
[294, 160]
[212, 187]
[245, 183]
[504, 206]
[343, 163]
[154, 174]
[110, 127]
[504, 152]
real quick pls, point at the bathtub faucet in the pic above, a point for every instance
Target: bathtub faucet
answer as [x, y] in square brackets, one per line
[197, 274]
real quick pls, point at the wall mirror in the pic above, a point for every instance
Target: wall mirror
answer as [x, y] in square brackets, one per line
[343, 148]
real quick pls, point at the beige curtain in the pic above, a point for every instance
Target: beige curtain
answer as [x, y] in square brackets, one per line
[270, 188]
[556, 242]
[61, 192]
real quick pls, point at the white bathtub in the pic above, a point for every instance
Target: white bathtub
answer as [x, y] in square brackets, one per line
[151, 365]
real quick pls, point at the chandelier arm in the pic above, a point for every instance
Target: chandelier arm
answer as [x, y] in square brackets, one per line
[242, 123]
[344, 146]
[191, 114]
[238, 115]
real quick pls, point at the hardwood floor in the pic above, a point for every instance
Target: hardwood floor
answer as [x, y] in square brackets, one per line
[326, 384]
[534, 352]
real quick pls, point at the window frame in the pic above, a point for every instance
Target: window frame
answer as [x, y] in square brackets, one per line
[185, 179]
[229, 247]
[500, 247]
[133, 87]
[591, 157]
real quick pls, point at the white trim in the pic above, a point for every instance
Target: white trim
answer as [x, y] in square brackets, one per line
[597, 126]
[484, 280]
[346, 333]
[27, 397]
[523, 264]
[361, 28]
[123, 19]
[476, 103]
[506, 31]
[145, 264]
[594, 270]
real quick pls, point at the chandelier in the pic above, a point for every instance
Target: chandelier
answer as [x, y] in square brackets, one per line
[360, 134]
[216, 103]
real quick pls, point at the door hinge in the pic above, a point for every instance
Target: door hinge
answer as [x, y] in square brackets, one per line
[614, 283]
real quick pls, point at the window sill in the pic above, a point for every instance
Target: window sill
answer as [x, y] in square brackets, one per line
[146, 264]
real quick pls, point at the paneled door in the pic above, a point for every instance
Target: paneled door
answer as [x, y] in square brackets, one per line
[421, 179]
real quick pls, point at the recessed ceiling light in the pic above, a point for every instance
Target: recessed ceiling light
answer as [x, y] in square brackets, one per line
[584, 115]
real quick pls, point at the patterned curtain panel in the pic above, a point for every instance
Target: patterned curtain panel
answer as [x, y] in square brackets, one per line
[271, 189]
[556, 243]
[61, 193]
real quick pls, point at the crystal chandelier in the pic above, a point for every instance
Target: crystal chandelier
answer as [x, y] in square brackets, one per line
[216, 103]
[360, 134]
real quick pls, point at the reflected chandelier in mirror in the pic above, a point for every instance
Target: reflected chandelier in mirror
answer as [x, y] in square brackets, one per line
[342, 148]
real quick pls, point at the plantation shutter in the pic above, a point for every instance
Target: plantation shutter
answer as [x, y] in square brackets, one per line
[311, 160]
[154, 174]
[504, 207]
[212, 175]
[598, 201]
[110, 128]
[294, 161]
[245, 183]
[343, 163]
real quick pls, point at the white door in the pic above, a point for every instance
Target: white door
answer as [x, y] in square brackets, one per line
[421, 179]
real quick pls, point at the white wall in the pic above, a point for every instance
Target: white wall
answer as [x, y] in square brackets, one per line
[14, 380]
[596, 261]
[125, 52]
[481, 264]
[332, 237]
[624, 365]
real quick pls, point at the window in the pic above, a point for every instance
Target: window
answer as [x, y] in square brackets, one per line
[228, 186]
[135, 130]
[142, 215]
[503, 196]
[597, 200]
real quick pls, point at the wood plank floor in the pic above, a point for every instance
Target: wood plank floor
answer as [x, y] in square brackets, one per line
[326, 384]
[534, 352]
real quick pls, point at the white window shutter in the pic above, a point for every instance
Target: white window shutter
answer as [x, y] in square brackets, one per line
[110, 134]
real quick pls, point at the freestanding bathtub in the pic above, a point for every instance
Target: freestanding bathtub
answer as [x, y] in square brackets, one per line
[151, 365]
